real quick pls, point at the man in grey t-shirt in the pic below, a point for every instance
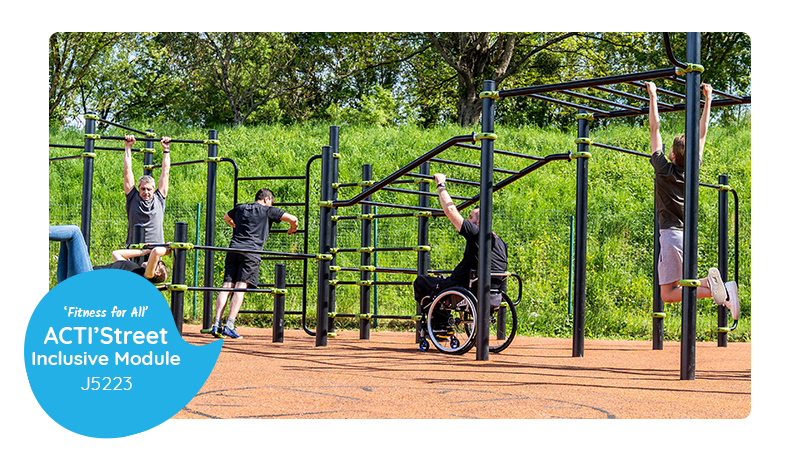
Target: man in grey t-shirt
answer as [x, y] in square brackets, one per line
[670, 188]
[144, 204]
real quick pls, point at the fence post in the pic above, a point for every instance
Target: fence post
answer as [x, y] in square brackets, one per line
[722, 256]
[323, 271]
[581, 208]
[658, 303]
[211, 212]
[88, 177]
[366, 240]
[179, 274]
[279, 303]
[423, 237]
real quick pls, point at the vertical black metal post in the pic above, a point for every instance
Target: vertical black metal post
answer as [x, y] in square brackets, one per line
[485, 229]
[179, 274]
[323, 272]
[88, 177]
[333, 139]
[722, 255]
[658, 302]
[279, 303]
[692, 174]
[423, 227]
[581, 219]
[366, 241]
[211, 212]
[147, 160]
[138, 238]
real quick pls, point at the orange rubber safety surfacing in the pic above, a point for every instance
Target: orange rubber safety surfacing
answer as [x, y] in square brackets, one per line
[388, 377]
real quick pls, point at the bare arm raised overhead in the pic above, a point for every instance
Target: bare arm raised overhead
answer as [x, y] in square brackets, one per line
[128, 181]
[655, 135]
[705, 118]
[446, 201]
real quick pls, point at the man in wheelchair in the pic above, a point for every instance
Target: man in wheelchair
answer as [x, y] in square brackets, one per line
[427, 287]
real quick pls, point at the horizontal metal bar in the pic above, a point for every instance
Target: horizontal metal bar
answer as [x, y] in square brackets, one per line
[59, 158]
[716, 92]
[470, 165]
[404, 170]
[182, 163]
[149, 139]
[531, 168]
[255, 252]
[449, 180]
[645, 100]
[425, 193]
[277, 177]
[392, 205]
[586, 108]
[222, 289]
[598, 100]
[144, 133]
[377, 316]
[288, 313]
[380, 270]
[614, 79]
[386, 249]
[620, 149]
[285, 230]
[503, 152]
[116, 149]
[659, 90]
[678, 107]
[377, 216]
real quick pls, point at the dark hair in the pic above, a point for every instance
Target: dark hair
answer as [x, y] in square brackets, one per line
[679, 149]
[161, 273]
[264, 193]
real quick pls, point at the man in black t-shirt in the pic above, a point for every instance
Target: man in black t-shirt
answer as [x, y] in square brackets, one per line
[669, 195]
[251, 223]
[425, 286]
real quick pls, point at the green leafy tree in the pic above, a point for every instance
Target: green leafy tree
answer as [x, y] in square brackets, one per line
[476, 57]
[73, 59]
[245, 70]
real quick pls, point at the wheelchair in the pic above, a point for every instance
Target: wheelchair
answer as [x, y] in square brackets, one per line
[449, 320]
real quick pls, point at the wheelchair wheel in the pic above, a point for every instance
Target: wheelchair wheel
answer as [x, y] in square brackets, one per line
[450, 323]
[502, 325]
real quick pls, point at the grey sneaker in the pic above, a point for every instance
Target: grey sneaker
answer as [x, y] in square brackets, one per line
[717, 286]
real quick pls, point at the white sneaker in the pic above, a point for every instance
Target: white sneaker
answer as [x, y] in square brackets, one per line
[733, 299]
[717, 286]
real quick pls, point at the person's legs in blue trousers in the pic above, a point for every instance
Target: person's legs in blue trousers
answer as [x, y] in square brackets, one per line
[73, 256]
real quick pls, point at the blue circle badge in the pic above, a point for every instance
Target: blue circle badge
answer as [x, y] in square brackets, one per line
[104, 358]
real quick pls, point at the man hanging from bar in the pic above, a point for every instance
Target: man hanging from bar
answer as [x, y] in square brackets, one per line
[426, 287]
[144, 203]
[251, 223]
[669, 194]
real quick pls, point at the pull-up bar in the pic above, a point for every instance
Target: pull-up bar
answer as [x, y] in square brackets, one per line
[152, 139]
[403, 171]
[578, 84]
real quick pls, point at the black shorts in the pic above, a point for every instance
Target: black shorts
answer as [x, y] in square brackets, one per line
[242, 267]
